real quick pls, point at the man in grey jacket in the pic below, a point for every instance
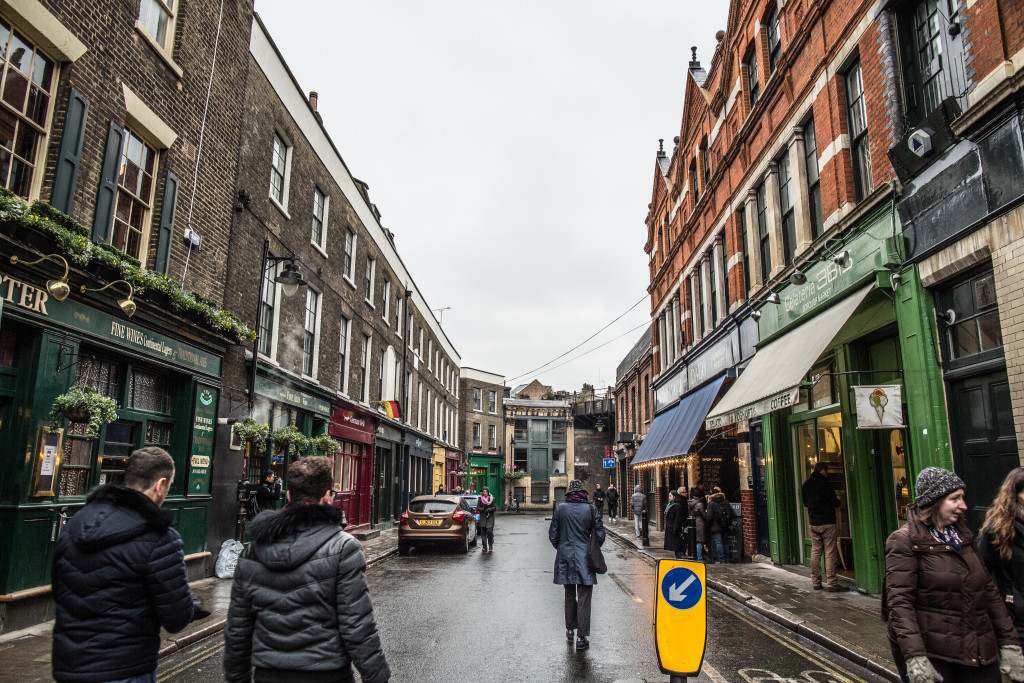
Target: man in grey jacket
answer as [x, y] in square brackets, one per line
[300, 607]
[638, 502]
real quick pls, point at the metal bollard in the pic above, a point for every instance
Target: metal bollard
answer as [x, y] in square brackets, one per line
[691, 538]
[645, 538]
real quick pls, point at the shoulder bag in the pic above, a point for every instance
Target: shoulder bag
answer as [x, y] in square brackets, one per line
[595, 558]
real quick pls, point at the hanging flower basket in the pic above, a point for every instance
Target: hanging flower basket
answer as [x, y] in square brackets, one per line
[512, 473]
[289, 440]
[324, 444]
[83, 404]
[249, 430]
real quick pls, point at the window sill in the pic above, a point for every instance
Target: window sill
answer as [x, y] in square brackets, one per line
[308, 378]
[370, 304]
[268, 360]
[323, 252]
[348, 280]
[158, 49]
[279, 207]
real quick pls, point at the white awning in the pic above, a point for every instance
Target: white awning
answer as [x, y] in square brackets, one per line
[772, 379]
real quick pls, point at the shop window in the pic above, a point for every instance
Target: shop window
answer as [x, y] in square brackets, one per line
[817, 440]
[813, 181]
[857, 120]
[28, 88]
[118, 444]
[823, 393]
[148, 392]
[76, 462]
[558, 431]
[520, 430]
[970, 316]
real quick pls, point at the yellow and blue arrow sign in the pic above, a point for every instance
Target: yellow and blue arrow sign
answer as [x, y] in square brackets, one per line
[680, 617]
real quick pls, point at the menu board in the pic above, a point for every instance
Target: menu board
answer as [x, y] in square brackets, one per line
[48, 449]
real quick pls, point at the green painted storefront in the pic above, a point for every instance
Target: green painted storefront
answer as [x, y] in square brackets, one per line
[888, 339]
[167, 388]
[486, 470]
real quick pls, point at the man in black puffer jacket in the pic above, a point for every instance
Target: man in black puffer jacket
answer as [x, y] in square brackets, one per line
[118, 576]
[300, 607]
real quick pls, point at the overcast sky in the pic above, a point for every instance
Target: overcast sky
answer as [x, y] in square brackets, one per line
[510, 148]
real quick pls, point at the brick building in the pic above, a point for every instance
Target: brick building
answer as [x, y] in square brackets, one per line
[354, 353]
[482, 431]
[125, 117]
[772, 226]
[633, 412]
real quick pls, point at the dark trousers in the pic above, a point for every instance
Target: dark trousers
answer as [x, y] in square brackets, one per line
[487, 537]
[577, 608]
[951, 673]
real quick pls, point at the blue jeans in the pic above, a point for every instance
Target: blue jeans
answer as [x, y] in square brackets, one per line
[144, 678]
[716, 540]
[700, 551]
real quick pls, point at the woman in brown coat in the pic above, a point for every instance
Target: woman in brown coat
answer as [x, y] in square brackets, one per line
[947, 621]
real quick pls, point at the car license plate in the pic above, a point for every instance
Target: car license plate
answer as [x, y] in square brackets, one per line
[428, 522]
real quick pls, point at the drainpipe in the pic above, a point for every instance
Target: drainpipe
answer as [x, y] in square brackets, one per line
[891, 70]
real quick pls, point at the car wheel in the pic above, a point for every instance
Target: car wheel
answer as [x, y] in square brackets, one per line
[403, 548]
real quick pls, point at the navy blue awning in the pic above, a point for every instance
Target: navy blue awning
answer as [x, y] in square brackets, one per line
[673, 432]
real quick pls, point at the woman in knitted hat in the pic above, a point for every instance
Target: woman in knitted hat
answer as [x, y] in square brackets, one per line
[571, 526]
[1001, 545]
[946, 618]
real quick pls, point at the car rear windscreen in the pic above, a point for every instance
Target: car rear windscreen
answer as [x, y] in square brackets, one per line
[431, 507]
[472, 500]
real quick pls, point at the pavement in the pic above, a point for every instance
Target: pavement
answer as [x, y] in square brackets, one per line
[848, 623]
[845, 623]
[25, 654]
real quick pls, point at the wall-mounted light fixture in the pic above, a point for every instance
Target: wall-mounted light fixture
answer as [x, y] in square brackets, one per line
[127, 304]
[57, 289]
[773, 298]
[842, 259]
[797, 278]
[756, 315]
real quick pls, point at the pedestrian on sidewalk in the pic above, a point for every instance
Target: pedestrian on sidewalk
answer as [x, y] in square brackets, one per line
[268, 492]
[718, 522]
[612, 498]
[674, 516]
[699, 513]
[599, 499]
[486, 507]
[571, 526]
[300, 607]
[946, 619]
[1001, 545]
[440, 491]
[821, 502]
[118, 576]
[638, 503]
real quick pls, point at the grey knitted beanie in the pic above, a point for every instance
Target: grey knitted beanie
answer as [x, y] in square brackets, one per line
[933, 484]
[575, 485]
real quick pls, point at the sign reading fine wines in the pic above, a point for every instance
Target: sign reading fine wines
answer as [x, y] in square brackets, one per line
[203, 422]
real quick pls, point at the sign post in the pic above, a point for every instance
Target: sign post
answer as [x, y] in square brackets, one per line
[680, 618]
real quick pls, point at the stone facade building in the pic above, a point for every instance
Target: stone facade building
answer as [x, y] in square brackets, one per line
[539, 441]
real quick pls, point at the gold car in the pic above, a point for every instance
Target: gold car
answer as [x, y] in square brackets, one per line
[437, 519]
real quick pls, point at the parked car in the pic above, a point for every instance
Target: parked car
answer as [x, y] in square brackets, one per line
[474, 500]
[436, 520]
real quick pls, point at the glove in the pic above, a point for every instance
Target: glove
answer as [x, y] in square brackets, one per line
[199, 610]
[1011, 662]
[920, 670]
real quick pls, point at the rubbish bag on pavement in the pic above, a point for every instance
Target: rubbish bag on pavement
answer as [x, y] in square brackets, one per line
[227, 559]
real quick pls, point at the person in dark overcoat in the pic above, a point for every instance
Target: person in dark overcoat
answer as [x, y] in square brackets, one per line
[699, 513]
[612, 498]
[486, 507]
[946, 619]
[599, 499]
[571, 526]
[675, 517]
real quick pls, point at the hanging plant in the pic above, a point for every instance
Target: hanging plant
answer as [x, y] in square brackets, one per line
[289, 439]
[512, 472]
[252, 431]
[324, 444]
[83, 404]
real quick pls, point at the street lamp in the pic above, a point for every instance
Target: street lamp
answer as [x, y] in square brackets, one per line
[290, 280]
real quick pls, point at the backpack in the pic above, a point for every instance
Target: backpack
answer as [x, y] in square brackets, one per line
[724, 515]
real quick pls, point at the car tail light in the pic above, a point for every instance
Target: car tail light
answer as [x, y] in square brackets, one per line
[405, 516]
[459, 515]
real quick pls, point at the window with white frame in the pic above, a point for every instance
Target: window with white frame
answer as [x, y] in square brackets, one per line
[813, 180]
[371, 268]
[381, 374]
[320, 206]
[476, 435]
[157, 17]
[348, 259]
[477, 398]
[267, 306]
[29, 81]
[763, 235]
[857, 119]
[279, 158]
[398, 314]
[492, 402]
[408, 398]
[364, 370]
[430, 354]
[774, 39]
[419, 344]
[787, 208]
[343, 345]
[135, 188]
[409, 327]
[309, 333]
[386, 312]
[492, 437]
[753, 82]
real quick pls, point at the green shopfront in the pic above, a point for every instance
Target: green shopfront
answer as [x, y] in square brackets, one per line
[861, 324]
[164, 376]
[282, 401]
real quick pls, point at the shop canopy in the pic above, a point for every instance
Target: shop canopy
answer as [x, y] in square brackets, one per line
[772, 379]
[673, 432]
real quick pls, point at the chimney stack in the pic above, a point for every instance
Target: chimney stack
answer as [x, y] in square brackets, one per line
[313, 97]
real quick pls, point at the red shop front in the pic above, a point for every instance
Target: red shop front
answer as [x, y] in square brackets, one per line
[353, 464]
[453, 464]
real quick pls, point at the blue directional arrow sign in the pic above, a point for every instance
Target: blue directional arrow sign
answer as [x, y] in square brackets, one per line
[609, 462]
[681, 588]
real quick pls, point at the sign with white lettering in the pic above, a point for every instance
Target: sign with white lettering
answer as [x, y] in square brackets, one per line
[204, 421]
[782, 399]
[285, 394]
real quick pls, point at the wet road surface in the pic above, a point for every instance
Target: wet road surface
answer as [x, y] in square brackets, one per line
[444, 616]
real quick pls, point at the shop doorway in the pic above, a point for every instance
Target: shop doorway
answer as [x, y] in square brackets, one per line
[821, 439]
[760, 488]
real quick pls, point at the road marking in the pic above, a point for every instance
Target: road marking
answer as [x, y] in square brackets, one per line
[192, 661]
[713, 674]
[796, 647]
[625, 588]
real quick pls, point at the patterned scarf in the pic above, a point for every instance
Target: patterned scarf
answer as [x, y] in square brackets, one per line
[576, 497]
[948, 536]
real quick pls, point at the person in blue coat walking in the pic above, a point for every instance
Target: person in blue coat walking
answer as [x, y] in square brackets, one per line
[571, 526]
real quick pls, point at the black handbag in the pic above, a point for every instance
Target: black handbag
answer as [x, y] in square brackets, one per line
[595, 558]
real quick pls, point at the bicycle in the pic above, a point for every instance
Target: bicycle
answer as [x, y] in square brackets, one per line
[511, 505]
